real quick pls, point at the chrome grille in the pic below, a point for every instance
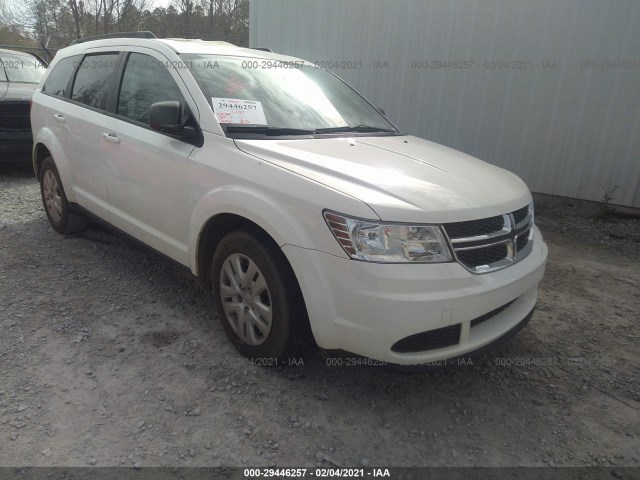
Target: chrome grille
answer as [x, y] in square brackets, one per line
[492, 243]
[483, 256]
[523, 240]
[474, 227]
[521, 214]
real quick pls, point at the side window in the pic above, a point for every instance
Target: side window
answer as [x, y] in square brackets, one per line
[94, 79]
[146, 81]
[58, 79]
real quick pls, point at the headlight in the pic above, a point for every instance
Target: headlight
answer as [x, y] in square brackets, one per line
[388, 242]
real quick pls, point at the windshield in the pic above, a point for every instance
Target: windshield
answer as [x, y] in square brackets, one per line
[260, 97]
[20, 68]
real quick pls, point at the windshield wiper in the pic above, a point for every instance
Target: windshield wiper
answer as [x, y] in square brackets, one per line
[357, 128]
[268, 130]
[275, 131]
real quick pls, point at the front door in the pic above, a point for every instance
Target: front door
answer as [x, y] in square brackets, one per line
[147, 169]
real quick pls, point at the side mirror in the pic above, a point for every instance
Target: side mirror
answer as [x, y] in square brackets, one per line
[166, 117]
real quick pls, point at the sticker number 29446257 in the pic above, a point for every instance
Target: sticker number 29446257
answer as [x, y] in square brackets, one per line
[234, 110]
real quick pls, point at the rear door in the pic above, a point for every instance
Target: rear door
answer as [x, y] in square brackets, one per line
[147, 169]
[83, 117]
[48, 111]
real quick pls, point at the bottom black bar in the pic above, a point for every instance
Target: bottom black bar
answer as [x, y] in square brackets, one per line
[416, 473]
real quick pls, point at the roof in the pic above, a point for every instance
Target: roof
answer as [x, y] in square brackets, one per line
[179, 46]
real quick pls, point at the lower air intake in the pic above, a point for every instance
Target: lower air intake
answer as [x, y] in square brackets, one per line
[431, 340]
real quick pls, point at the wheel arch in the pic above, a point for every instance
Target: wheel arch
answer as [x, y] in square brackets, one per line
[46, 145]
[40, 152]
[226, 208]
[217, 227]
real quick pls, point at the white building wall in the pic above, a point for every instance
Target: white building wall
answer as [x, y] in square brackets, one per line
[559, 111]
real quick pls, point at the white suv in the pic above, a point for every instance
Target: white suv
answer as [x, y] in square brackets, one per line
[304, 210]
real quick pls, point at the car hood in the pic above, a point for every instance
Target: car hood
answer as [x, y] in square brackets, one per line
[402, 178]
[17, 91]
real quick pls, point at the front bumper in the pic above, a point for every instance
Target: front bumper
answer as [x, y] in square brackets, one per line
[365, 308]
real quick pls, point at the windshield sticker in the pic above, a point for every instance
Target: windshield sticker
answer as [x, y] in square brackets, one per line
[234, 110]
[234, 85]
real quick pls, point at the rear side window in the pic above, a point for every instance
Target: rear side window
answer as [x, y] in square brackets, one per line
[58, 80]
[146, 81]
[94, 80]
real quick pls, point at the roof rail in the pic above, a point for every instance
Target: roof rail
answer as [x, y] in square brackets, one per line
[264, 49]
[116, 35]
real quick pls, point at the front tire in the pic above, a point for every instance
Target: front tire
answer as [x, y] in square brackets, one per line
[257, 299]
[60, 216]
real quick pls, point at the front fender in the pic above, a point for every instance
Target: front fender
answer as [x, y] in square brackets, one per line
[279, 221]
[291, 226]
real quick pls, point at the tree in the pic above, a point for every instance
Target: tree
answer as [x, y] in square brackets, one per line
[77, 10]
[60, 22]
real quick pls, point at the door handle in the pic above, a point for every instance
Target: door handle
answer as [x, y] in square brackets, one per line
[111, 137]
[59, 117]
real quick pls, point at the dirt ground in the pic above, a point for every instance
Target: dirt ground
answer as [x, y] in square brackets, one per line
[109, 357]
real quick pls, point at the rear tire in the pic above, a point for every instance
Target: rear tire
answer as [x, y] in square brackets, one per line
[257, 299]
[56, 206]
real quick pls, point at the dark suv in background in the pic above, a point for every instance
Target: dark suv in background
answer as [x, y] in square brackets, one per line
[20, 74]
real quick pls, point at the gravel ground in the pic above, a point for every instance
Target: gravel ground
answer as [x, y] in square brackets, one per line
[108, 356]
